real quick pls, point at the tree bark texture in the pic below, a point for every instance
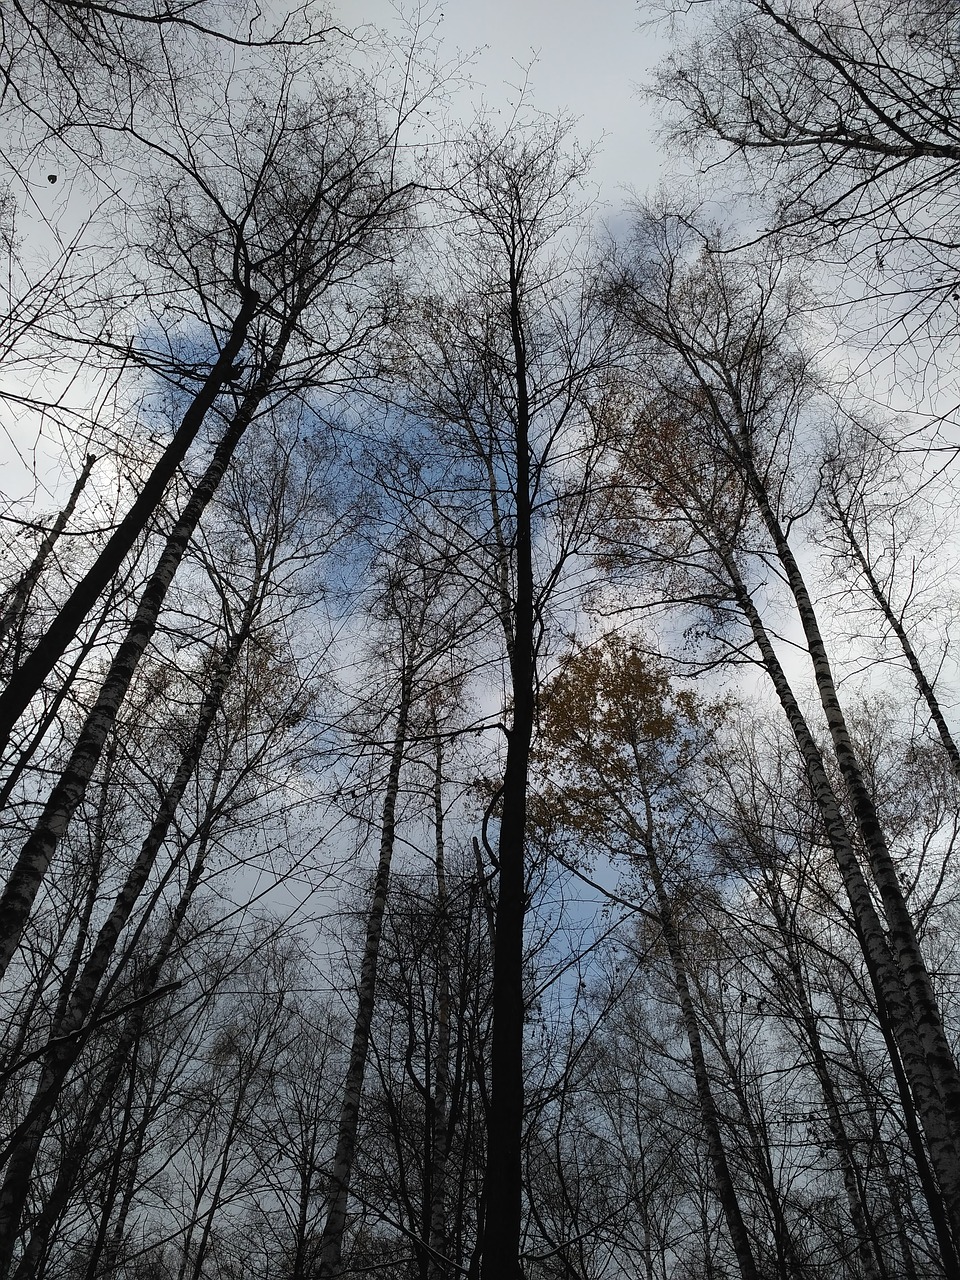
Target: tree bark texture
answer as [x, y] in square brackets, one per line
[880, 961]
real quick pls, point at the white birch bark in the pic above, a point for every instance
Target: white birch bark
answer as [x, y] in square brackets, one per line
[881, 963]
[904, 943]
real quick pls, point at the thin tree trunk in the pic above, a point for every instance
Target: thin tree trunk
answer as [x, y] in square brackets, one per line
[16, 600]
[303, 1249]
[330, 1249]
[868, 1251]
[14, 1187]
[58, 696]
[726, 1190]
[72, 1166]
[925, 1008]
[94, 889]
[437, 1268]
[924, 687]
[878, 1154]
[881, 965]
[69, 1045]
[30, 675]
[112, 1193]
[35, 856]
[242, 1085]
[112, 1244]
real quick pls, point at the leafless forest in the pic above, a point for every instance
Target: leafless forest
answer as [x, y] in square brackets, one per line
[479, 777]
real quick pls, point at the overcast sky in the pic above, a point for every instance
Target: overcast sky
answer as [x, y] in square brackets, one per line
[586, 59]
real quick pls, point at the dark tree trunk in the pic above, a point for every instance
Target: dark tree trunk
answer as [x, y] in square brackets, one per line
[30, 675]
[330, 1249]
[437, 1266]
[16, 600]
[725, 1186]
[35, 856]
[81, 999]
[503, 1187]
[868, 1246]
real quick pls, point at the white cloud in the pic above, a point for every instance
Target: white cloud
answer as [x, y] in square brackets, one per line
[583, 59]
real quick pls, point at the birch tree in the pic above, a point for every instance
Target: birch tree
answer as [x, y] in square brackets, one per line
[740, 497]
[306, 223]
[847, 121]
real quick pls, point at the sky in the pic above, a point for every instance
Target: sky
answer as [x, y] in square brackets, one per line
[585, 60]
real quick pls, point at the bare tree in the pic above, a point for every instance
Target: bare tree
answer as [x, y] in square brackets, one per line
[311, 220]
[853, 116]
[507, 365]
[740, 497]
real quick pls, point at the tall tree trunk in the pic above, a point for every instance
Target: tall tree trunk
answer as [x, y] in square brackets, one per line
[66, 1032]
[112, 1193]
[868, 1250]
[92, 640]
[925, 1008]
[330, 1250]
[503, 1185]
[15, 602]
[725, 1187]
[437, 1267]
[866, 1087]
[35, 856]
[880, 962]
[72, 1165]
[149, 984]
[30, 675]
